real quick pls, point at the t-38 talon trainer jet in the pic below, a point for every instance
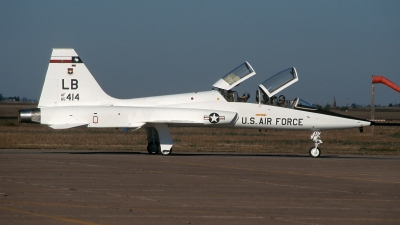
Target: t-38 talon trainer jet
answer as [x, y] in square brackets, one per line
[71, 97]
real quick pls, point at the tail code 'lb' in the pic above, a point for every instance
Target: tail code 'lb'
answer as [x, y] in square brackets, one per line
[68, 82]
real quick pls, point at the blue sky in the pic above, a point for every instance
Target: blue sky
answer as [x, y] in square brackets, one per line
[148, 48]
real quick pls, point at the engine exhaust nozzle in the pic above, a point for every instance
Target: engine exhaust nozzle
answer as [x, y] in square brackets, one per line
[29, 115]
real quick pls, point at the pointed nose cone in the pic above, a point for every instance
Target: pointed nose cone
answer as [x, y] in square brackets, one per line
[356, 122]
[331, 120]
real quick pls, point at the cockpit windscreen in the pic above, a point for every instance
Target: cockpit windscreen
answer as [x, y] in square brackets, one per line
[300, 103]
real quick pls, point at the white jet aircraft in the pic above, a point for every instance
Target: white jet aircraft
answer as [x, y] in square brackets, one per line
[71, 97]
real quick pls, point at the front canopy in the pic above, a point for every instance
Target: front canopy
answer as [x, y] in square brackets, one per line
[235, 77]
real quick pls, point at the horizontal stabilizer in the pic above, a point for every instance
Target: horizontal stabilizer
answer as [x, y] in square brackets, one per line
[66, 126]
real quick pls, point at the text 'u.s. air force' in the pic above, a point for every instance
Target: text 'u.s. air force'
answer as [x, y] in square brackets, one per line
[273, 121]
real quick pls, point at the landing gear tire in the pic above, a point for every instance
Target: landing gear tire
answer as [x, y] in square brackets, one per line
[315, 152]
[153, 148]
[166, 152]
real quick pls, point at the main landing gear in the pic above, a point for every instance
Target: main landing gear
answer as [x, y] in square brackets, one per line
[315, 151]
[153, 147]
[159, 139]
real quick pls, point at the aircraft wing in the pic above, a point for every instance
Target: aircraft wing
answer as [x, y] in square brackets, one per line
[187, 116]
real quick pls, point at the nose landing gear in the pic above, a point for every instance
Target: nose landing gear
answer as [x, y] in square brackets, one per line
[315, 151]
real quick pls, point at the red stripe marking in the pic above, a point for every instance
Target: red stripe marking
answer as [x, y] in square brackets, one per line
[60, 61]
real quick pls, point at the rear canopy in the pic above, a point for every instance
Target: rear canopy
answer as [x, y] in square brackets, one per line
[279, 81]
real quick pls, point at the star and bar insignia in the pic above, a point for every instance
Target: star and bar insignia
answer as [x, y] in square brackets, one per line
[214, 118]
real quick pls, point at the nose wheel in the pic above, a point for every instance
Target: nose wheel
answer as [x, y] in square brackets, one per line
[315, 152]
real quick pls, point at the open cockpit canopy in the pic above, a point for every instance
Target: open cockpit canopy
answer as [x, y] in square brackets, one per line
[235, 77]
[267, 90]
[279, 81]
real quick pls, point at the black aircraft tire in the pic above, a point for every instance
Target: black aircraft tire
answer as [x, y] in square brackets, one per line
[149, 148]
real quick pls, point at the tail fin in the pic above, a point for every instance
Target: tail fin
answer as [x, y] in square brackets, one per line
[68, 82]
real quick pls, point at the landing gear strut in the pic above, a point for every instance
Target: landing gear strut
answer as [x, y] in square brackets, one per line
[315, 151]
[159, 139]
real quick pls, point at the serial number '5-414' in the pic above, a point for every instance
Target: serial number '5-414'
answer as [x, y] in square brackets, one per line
[70, 97]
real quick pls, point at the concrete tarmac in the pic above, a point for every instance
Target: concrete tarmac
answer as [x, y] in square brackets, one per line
[98, 187]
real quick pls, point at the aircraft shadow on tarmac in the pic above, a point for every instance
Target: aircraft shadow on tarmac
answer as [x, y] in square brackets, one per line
[188, 154]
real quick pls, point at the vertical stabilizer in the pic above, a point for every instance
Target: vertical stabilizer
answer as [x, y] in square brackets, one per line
[68, 82]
